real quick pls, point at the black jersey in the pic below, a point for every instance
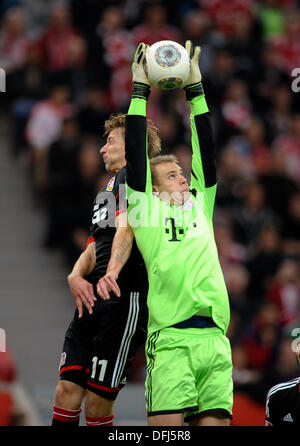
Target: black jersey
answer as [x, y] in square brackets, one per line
[283, 403]
[111, 201]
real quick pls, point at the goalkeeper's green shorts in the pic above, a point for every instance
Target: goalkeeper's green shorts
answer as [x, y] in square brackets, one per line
[188, 370]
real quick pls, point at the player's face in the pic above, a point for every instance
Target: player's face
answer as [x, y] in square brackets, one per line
[172, 185]
[114, 151]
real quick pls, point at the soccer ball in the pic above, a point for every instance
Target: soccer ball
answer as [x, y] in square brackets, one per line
[167, 65]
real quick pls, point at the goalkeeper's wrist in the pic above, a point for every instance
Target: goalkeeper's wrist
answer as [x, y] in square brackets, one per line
[193, 90]
[140, 91]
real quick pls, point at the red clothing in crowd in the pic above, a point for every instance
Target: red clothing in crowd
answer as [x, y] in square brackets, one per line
[55, 46]
[223, 14]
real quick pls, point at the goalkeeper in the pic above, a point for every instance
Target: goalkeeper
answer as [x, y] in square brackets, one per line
[189, 366]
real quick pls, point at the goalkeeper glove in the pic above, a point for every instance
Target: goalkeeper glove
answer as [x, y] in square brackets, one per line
[193, 86]
[141, 84]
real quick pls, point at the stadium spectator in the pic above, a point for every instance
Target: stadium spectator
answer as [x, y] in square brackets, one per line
[243, 45]
[290, 229]
[230, 252]
[244, 376]
[286, 149]
[284, 291]
[62, 171]
[235, 171]
[271, 16]
[196, 27]
[260, 342]
[224, 15]
[279, 112]
[237, 280]
[55, 40]
[77, 76]
[13, 40]
[43, 128]
[111, 49]
[263, 261]
[249, 217]
[71, 192]
[252, 141]
[223, 70]
[37, 13]
[25, 87]
[236, 106]
[154, 26]
[287, 45]
[93, 111]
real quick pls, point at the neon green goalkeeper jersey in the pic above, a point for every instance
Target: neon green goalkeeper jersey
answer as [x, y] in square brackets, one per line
[176, 242]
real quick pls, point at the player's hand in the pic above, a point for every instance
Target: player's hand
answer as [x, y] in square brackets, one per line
[107, 284]
[195, 74]
[138, 72]
[83, 293]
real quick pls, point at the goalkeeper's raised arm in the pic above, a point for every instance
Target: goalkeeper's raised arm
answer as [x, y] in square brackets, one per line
[203, 175]
[136, 141]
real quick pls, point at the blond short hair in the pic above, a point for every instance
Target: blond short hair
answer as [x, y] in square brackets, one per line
[118, 121]
[154, 162]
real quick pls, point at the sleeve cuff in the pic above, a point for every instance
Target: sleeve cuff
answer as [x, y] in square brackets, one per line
[199, 105]
[137, 107]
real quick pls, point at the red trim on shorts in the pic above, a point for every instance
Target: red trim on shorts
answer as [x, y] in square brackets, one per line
[107, 389]
[90, 240]
[71, 367]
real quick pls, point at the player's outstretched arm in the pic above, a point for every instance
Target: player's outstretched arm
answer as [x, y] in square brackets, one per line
[120, 252]
[204, 176]
[136, 126]
[81, 289]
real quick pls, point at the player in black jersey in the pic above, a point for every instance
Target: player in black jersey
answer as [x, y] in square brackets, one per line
[283, 401]
[103, 336]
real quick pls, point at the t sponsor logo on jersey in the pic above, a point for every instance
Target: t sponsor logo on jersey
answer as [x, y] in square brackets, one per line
[110, 184]
[63, 358]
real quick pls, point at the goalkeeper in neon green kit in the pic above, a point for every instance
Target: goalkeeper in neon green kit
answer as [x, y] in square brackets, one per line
[189, 367]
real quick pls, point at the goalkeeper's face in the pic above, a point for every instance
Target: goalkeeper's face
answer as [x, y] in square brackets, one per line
[113, 151]
[170, 184]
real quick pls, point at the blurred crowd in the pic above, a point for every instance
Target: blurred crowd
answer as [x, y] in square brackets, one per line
[68, 67]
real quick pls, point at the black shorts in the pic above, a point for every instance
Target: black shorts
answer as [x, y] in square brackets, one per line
[99, 348]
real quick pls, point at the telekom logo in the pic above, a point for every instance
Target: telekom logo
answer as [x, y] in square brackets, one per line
[2, 81]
